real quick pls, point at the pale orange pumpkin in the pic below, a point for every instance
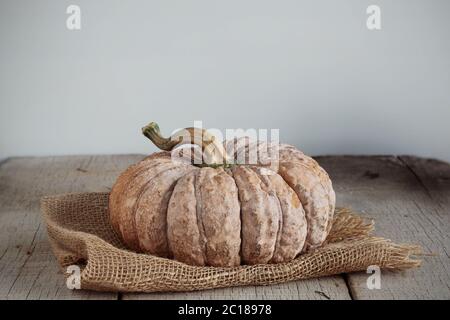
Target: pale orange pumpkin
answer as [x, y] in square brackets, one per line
[222, 212]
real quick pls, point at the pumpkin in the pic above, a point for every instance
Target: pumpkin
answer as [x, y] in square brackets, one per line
[221, 212]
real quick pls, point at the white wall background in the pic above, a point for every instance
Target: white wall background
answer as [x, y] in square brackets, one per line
[310, 68]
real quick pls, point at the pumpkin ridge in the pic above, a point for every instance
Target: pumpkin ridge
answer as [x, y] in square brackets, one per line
[142, 215]
[315, 213]
[294, 225]
[130, 173]
[126, 213]
[229, 171]
[220, 218]
[273, 197]
[183, 232]
[200, 225]
[265, 181]
[136, 201]
[327, 185]
[311, 164]
[258, 238]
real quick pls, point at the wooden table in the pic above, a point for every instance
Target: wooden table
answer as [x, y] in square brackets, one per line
[408, 197]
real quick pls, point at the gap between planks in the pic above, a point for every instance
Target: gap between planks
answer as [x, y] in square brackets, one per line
[408, 205]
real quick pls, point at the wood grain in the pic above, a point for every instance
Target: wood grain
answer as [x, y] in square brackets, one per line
[28, 269]
[433, 175]
[409, 198]
[330, 288]
[385, 189]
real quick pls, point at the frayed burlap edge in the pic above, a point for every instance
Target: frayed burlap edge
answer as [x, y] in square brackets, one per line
[80, 233]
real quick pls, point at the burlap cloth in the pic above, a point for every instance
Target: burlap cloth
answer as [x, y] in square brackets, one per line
[80, 233]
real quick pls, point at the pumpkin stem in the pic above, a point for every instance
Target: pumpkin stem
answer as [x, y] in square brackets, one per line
[152, 132]
[214, 153]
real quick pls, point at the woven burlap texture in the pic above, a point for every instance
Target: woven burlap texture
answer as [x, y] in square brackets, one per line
[80, 234]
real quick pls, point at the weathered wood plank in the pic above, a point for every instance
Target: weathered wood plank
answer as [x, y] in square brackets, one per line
[385, 189]
[382, 187]
[28, 269]
[333, 288]
[434, 175]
